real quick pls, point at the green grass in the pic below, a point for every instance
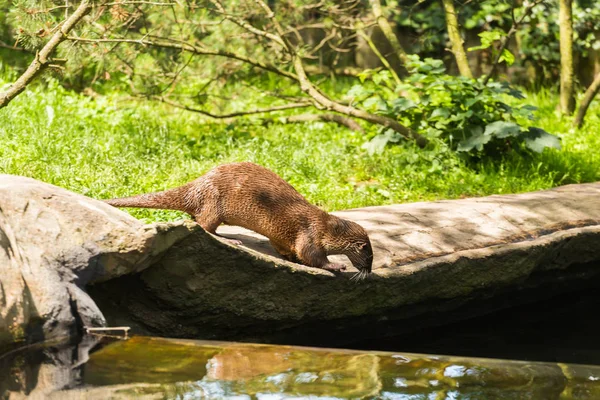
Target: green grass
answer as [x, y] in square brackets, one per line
[112, 147]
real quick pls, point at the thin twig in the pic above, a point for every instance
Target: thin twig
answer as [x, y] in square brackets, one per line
[193, 49]
[383, 60]
[233, 114]
[511, 31]
[246, 25]
[15, 48]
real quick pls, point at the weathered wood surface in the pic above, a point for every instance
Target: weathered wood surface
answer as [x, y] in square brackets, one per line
[174, 279]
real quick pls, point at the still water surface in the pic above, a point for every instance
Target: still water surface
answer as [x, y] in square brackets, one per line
[156, 368]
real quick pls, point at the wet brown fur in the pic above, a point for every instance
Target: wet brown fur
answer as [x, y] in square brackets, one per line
[253, 197]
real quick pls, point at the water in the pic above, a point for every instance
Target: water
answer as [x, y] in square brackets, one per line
[167, 368]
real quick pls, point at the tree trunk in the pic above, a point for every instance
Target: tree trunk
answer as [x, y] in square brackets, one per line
[387, 31]
[457, 43]
[590, 93]
[381, 57]
[565, 21]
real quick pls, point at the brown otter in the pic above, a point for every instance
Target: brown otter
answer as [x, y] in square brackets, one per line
[253, 197]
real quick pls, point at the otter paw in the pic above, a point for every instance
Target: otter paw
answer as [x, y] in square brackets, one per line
[334, 267]
[234, 242]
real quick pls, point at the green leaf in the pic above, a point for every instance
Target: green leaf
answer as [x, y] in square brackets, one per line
[538, 139]
[374, 103]
[402, 104]
[359, 91]
[378, 143]
[382, 77]
[502, 129]
[487, 38]
[440, 113]
[475, 141]
[507, 56]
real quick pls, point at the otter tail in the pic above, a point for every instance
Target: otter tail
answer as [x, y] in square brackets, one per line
[173, 199]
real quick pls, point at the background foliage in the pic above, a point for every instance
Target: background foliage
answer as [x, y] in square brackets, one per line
[93, 123]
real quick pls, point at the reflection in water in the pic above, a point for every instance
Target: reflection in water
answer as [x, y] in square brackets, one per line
[164, 368]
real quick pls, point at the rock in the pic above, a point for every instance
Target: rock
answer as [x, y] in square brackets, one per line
[53, 243]
[433, 261]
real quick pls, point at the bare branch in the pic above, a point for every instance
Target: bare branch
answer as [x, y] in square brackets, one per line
[324, 41]
[233, 114]
[389, 34]
[590, 93]
[152, 3]
[15, 47]
[456, 41]
[42, 59]
[244, 24]
[383, 60]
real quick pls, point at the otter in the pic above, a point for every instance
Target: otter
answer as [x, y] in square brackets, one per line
[253, 197]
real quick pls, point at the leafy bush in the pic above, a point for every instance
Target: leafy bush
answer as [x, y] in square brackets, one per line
[464, 113]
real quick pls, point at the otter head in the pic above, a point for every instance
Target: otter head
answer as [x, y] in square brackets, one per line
[351, 239]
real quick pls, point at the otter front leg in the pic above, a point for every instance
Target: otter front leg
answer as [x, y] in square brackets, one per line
[315, 256]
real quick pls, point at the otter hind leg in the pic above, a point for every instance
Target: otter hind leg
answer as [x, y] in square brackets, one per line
[210, 225]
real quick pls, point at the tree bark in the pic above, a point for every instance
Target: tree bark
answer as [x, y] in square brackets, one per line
[565, 21]
[381, 57]
[308, 88]
[590, 93]
[387, 31]
[457, 43]
[42, 59]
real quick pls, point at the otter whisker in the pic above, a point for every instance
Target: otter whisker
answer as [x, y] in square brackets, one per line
[360, 276]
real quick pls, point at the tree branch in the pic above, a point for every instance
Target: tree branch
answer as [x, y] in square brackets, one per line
[325, 102]
[387, 31]
[565, 23]
[247, 26]
[42, 59]
[338, 119]
[383, 60]
[457, 44]
[15, 47]
[172, 44]
[513, 29]
[233, 114]
[588, 97]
